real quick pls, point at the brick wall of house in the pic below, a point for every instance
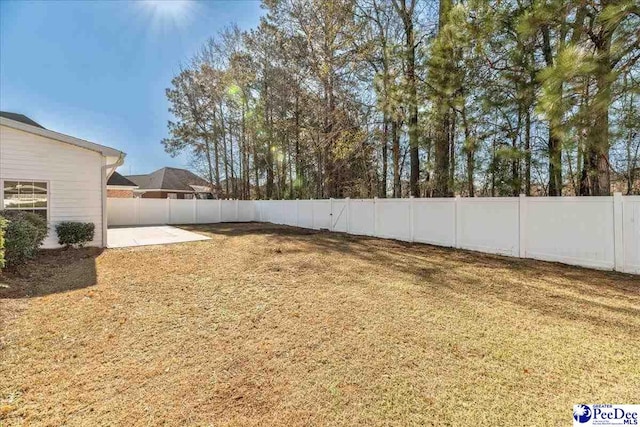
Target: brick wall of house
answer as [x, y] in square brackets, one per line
[122, 194]
[154, 195]
[160, 195]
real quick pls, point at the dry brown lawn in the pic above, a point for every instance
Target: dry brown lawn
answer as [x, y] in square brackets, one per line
[268, 325]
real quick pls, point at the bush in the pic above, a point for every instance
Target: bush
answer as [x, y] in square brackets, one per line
[3, 226]
[75, 233]
[24, 233]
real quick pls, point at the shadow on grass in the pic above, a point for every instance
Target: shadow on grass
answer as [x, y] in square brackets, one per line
[602, 298]
[53, 271]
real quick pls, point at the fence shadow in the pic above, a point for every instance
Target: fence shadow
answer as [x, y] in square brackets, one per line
[53, 271]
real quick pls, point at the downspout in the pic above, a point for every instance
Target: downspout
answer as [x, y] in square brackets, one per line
[104, 179]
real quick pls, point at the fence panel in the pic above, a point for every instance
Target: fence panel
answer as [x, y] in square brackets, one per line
[208, 211]
[434, 221]
[272, 211]
[572, 230]
[305, 213]
[631, 234]
[393, 218]
[362, 217]
[181, 211]
[275, 211]
[322, 214]
[153, 212]
[246, 211]
[122, 212]
[264, 211]
[289, 211]
[227, 210]
[489, 225]
[339, 215]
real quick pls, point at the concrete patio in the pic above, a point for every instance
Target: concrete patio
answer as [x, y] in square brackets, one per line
[124, 237]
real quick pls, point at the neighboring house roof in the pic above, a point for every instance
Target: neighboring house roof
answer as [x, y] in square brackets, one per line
[120, 181]
[170, 179]
[200, 188]
[20, 118]
[28, 125]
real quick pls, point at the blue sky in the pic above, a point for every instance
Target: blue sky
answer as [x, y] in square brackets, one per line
[98, 70]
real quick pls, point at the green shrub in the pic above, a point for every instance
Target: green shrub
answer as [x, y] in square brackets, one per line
[75, 233]
[24, 233]
[3, 226]
[34, 219]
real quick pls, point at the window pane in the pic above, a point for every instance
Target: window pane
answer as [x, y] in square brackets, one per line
[40, 201]
[41, 212]
[39, 187]
[39, 194]
[26, 195]
[11, 194]
[20, 195]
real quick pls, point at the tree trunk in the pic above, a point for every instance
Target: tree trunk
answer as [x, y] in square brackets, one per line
[470, 150]
[209, 162]
[300, 181]
[441, 146]
[515, 163]
[452, 153]
[555, 161]
[598, 139]
[225, 153]
[216, 156]
[234, 186]
[527, 152]
[413, 112]
[385, 155]
[246, 191]
[553, 141]
[269, 153]
[443, 125]
[395, 134]
[406, 12]
[598, 132]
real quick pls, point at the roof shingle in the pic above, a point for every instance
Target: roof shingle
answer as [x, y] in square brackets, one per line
[117, 179]
[20, 118]
[168, 179]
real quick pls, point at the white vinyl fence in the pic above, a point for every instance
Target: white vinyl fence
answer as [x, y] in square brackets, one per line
[137, 211]
[597, 232]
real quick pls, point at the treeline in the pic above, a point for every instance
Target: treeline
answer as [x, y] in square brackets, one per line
[391, 98]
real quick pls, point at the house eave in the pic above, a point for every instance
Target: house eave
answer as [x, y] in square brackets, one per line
[121, 187]
[168, 190]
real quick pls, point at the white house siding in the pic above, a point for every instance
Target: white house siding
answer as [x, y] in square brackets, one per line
[73, 175]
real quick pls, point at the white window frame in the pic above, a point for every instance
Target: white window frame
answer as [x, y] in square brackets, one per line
[48, 208]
